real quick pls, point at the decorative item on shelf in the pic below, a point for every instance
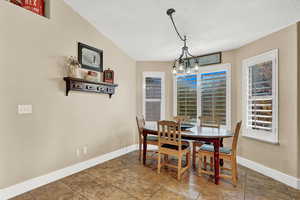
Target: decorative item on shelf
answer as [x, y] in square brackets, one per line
[92, 76]
[90, 58]
[36, 6]
[108, 76]
[73, 67]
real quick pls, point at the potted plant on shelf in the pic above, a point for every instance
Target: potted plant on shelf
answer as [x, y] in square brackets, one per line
[73, 67]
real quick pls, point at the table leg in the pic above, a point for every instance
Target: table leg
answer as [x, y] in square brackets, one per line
[217, 161]
[144, 148]
[221, 160]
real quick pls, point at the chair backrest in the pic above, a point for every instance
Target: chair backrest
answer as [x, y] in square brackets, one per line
[236, 137]
[140, 124]
[169, 133]
[180, 119]
[206, 121]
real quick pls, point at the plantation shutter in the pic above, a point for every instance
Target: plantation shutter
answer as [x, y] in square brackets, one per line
[260, 97]
[213, 95]
[187, 96]
[153, 98]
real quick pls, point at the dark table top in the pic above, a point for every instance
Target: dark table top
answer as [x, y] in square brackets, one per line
[196, 132]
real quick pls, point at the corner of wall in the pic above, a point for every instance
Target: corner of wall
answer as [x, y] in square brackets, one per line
[298, 96]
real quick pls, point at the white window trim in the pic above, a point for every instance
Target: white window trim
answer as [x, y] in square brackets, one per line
[154, 75]
[255, 134]
[208, 69]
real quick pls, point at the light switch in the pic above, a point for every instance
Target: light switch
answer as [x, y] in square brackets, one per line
[24, 109]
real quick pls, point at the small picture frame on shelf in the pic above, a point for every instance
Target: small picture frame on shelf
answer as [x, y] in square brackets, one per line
[90, 58]
[108, 76]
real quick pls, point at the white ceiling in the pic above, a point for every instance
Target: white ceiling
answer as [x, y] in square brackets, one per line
[143, 30]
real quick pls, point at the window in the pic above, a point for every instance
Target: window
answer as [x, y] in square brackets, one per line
[187, 96]
[153, 95]
[213, 95]
[206, 93]
[260, 102]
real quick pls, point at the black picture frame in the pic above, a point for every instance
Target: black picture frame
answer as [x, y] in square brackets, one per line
[207, 59]
[96, 56]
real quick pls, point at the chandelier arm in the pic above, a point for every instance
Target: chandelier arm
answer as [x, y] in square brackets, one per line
[181, 55]
[170, 14]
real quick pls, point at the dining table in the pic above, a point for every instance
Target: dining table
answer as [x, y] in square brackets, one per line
[211, 135]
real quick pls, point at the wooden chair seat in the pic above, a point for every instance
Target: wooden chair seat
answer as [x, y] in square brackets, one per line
[210, 148]
[175, 147]
[152, 138]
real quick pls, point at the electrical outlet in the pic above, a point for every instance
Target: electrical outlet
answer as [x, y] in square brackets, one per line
[85, 150]
[78, 152]
[24, 109]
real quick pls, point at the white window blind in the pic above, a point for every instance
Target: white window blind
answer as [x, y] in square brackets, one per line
[213, 95]
[187, 96]
[153, 98]
[260, 96]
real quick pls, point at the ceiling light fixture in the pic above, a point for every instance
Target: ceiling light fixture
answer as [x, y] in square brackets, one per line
[182, 64]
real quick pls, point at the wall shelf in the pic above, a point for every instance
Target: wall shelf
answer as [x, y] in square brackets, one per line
[82, 85]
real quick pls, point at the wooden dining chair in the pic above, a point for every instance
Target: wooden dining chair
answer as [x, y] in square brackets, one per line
[170, 143]
[204, 121]
[153, 140]
[180, 119]
[227, 154]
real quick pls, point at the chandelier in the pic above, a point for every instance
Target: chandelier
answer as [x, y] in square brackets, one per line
[183, 64]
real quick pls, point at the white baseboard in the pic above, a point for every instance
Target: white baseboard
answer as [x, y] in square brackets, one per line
[31, 184]
[272, 173]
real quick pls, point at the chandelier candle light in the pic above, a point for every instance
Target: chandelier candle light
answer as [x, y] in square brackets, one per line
[182, 64]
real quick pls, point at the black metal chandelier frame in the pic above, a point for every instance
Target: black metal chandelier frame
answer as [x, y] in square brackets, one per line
[185, 54]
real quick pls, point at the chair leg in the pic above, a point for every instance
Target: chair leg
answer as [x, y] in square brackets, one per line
[200, 163]
[179, 167]
[166, 158]
[188, 159]
[211, 163]
[204, 162]
[194, 155]
[158, 163]
[234, 171]
[140, 149]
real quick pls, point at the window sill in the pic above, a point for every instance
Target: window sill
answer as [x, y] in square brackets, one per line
[262, 140]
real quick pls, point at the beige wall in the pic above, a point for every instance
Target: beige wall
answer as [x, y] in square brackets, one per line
[298, 60]
[282, 157]
[32, 53]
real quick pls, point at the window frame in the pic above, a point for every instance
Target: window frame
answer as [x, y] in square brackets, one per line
[208, 69]
[154, 75]
[270, 137]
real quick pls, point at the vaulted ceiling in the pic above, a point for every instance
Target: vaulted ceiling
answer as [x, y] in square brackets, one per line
[143, 30]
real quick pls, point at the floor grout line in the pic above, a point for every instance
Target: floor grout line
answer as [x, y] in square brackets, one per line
[245, 184]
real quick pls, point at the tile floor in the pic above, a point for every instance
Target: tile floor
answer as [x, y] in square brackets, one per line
[125, 178]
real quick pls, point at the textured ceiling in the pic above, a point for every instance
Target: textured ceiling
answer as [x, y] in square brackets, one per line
[143, 30]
